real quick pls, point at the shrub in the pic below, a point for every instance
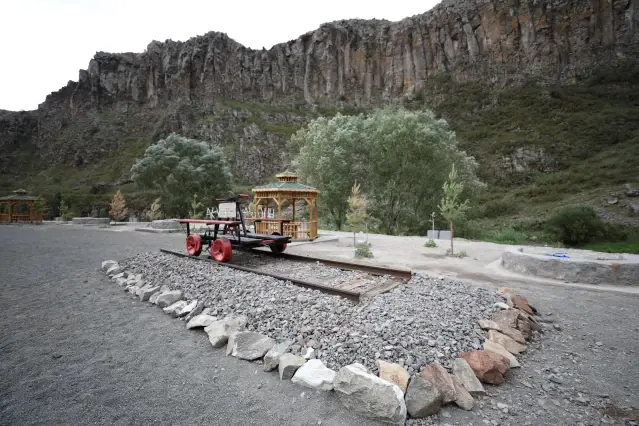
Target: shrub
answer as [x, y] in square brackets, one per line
[575, 225]
[363, 250]
[430, 244]
[508, 236]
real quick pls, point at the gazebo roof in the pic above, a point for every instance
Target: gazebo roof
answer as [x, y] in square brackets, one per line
[287, 183]
[18, 194]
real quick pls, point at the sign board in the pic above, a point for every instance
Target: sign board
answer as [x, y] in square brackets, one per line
[227, 211]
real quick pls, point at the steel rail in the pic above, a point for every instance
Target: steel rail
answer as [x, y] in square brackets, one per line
[352, 295]
[373, 270]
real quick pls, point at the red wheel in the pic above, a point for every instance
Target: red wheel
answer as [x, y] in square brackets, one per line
[194, 244]
[279, 247]
[221, 250]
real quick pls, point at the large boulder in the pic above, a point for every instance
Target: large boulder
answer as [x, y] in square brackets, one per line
[314, 374]
[219, 331]
[147, 291]
[370, 396]
[507, 342]
[168, 298]
[195, 311]
[272, 357]
[506, 318]
[393, 373]
[186, 309]
[467, 377]
[250, 345]
[288, 365]
[423, 399]
[437, 375]
[489, 367]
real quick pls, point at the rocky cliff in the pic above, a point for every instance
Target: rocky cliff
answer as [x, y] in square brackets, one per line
[173, 85]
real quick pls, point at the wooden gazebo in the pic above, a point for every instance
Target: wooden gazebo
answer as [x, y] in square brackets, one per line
[19, 207]
[282, 193]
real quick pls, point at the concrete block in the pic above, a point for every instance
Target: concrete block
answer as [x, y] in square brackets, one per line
[444, 235]
[432, 235]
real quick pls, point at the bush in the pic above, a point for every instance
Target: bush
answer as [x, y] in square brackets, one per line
[430, 244]
[508, 236]
[363, 250]
[576, 225]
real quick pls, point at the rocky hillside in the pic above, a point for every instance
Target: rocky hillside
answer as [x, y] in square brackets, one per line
[250, 101]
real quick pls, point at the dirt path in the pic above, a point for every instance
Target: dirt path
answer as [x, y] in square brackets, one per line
[76, 350]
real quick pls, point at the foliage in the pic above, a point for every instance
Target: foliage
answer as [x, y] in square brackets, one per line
[155, 212]
[630, 244]
[575, 225]
[39, 205]
[180, 168]
[393, 152]
[507, 235]
[451, 207]
[197, 209]
[64, 208]
[460, 254]
[118, 207]
[356, 217]
[363, 250]
[430, 244]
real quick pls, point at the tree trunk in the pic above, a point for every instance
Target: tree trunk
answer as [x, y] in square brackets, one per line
[452, 235]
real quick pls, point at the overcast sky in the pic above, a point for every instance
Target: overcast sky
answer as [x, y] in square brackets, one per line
[44, 43]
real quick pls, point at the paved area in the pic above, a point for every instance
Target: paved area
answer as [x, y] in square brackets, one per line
[76, 350]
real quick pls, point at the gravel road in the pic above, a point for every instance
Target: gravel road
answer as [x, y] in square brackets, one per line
[76, 350]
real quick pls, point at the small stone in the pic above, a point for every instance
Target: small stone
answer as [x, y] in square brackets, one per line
[599, 343]
[463, 399]
[201, 320]
[467, 377]
[485, 324]
[423, 399]
[370, 396]
[199, 308]
[489, 367]
[520, 302]
[438, 376]
[507, 318]
[272, 357]
[168, 298]
[174, 308]
[507, 342]
[186, 309]
[113, 269]
[489, 345]
[288, 365]
[556, 379]
[314, 374]
[394, 373]
[108, 264]
[147, 291]
[501, 405]
[219, 331]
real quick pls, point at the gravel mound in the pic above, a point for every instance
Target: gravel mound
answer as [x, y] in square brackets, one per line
[426, 320]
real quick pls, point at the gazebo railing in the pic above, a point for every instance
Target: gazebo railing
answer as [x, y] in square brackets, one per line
[301, 230]
[5, 217]
[295, 230]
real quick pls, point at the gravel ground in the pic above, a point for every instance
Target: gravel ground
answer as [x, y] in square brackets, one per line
[76, 350]
[314, 272]
[417, 323]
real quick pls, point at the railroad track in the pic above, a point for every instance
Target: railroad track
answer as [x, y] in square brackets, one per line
[365, 280]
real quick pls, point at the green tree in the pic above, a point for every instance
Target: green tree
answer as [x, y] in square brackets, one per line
[401, 157]
[451, 207]
[331, 158]
[118, 206]
[180, 168]
[155, 212]
[356, 217]
[196, 211]
[64, 209]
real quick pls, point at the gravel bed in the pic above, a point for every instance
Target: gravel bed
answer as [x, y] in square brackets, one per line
[313, 272]
[426, 320]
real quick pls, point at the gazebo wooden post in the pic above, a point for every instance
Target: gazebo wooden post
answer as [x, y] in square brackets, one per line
[293, 209]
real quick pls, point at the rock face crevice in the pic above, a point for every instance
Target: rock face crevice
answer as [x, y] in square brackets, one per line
[362, 62]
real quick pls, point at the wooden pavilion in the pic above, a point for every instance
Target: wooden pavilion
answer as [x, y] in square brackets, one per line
[19, 207]
[283, 193]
